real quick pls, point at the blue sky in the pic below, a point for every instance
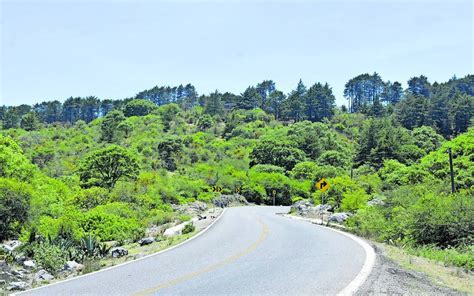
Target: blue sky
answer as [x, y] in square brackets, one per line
[114, 49]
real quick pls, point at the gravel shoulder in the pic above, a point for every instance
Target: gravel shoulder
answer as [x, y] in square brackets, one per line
[390, 278]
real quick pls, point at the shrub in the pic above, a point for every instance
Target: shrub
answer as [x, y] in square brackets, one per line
[14, 205]
[188, 228]
[50, 257]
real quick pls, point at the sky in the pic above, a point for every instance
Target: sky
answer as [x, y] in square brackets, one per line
[51, 50]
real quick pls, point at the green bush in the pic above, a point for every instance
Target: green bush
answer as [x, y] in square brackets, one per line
[188, 228]
[50, 257]
[14, 205]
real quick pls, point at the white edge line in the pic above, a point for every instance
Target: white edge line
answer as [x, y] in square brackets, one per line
[369, 263]
[128, 262]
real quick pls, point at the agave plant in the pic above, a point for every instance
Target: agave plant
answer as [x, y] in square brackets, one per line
[90, 246]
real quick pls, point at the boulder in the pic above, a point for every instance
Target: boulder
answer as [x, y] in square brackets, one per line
[197, 207]
[29, 264]
[323, 208]
[146, 241]
[11, 245]
[339, 217]
[225, 200]
[175, 230]
[305, 208]
[73, 266]
[17, 286]
[118, 252]
[376, 202]
[43, 275]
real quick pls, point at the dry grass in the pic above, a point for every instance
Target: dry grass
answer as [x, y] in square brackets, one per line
[452, 277]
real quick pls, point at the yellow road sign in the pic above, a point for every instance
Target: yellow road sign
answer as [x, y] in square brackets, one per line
[323, 185]
[216, 188]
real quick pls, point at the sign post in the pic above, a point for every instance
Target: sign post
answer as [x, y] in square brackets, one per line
[322, 186]
[274, 193]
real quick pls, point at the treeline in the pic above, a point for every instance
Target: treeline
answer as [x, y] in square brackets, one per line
[447, 107]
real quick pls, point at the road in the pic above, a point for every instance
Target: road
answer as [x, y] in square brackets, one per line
[250, 250]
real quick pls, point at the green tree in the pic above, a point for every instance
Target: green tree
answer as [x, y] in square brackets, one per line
[250, 99]
[104, 167]
[139, 107]
[278, 153]
[14, 204]
[110, 126]
[214, 105]
[30, 122]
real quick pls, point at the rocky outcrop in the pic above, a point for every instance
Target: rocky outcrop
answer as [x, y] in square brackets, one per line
[305, 208]
[17, 286]
[339, 217]
[226, 200]
[118, 252]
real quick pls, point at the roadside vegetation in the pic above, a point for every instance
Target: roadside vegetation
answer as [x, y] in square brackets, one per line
[79, 177]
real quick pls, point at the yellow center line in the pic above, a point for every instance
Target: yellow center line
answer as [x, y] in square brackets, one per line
[248, 250]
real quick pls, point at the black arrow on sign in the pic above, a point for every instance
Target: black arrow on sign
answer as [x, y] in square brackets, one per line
[322, 185]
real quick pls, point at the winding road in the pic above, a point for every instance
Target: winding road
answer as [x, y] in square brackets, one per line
[249, 250]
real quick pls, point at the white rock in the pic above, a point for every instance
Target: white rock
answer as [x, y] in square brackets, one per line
[43, 275]
[175, 230]
[29, 264]
[12, 245]
[17, 286]
[73, 265]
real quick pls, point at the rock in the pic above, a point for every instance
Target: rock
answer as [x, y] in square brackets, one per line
[11, 245]
[17, 286]
[339, 217]
[118, 252]
[29, 264]
[73, 266]
[175, 230]
[225, 200]
[197, 206]
[43, 275]
[305, 208]
[324, 208]
[376, 202]
[146, 241]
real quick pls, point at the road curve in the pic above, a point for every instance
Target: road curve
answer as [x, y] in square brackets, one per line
[250, 250]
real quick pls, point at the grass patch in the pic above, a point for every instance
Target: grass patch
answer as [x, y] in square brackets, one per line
[456, 278]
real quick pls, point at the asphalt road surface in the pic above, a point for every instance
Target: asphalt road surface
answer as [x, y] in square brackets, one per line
[250, 250]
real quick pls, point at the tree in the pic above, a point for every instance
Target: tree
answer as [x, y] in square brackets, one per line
[462, 112]
[89, 108]
[320, 102]
[14, 205]
[109, 126]
[250, 99]
[364, 90]
[295, 104]
[275, 103]
[170, 150]
[426, 138]
[392, 93]
[30, 122]
[265, 89]
[104, 167]
[419, 86]
[214, 105]
[278, 153]
[413, 112]
[139, 107]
